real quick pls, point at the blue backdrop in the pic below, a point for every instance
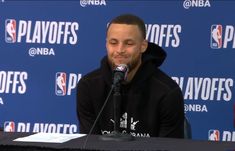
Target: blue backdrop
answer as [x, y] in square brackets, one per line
[47, 46]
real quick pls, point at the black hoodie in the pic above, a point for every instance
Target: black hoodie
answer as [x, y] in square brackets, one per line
[151, 106]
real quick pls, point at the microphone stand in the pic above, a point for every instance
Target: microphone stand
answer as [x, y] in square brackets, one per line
[116, 135]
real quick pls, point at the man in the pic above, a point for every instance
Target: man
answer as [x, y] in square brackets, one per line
[152, 103]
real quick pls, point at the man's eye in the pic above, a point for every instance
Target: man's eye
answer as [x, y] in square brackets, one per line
[130, 43]
[113, 42]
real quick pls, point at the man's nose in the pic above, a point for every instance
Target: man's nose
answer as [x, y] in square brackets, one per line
[120, 48]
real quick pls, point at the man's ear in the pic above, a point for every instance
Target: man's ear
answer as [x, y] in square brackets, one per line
[144, 46]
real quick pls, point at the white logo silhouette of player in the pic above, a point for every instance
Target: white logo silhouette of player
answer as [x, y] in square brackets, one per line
[10, 29]
[213, 136]
[61, 82]
[9, 127]
[133, 124]
[216, 35]
[123, 121]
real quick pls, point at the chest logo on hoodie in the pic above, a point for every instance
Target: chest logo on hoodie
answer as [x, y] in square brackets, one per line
[123, 122]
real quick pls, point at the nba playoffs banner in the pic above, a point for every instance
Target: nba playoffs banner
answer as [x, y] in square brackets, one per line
[47, 46]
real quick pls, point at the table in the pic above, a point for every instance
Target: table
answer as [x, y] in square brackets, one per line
[94, 143]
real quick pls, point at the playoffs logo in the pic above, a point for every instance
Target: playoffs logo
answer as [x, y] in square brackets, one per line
[216, 36]
[9, 126]
[10, 30]
[41, 32]
[65, 83]
[222, 36]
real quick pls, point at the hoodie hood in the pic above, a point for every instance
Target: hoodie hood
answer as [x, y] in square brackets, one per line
[152, 58]
[154, 54]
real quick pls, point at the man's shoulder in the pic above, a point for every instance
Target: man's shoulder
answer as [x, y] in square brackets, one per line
[93, 75]
[165, 80]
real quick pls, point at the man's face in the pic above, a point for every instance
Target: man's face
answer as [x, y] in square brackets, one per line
[125, 45]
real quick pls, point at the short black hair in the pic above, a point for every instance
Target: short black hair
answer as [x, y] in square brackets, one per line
[130, 19]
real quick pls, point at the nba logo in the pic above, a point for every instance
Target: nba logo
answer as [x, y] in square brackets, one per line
[9, 126]
[60, 86]
[216, 36]
[10, 30]
[214, 135]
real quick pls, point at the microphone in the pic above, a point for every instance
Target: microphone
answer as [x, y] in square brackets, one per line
[120, 73]
[97, 118]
